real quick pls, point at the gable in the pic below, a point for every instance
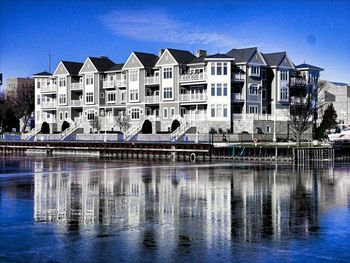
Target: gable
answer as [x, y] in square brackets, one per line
[166, 59]
[132, 62]
[88, 67]
[286, 63]
[60, 70]
[257, 59]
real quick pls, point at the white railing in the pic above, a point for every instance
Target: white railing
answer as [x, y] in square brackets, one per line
[238, 76]
[259, 117]
[49, 104]
[152, 80]
[150, 99]
[153, 117]
[201, 116]
[193, 77]
[31, 133]
[237, 96]
[114, 83]
[180, 131]
[72, 128]
[193, 97]
[49, 88]
[133, 131]
[77, 85]
[77, 103]
[120, 82]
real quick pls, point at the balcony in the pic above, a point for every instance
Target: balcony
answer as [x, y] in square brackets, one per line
[237, 97]
[108, 84]
[153, 117]
[77, 103]
[153, 80]
[199, 116]
[193, 77]
[238, 77]
[152, 99]
[49, 104]
[193, 97]
[77, 86]
[48, 88]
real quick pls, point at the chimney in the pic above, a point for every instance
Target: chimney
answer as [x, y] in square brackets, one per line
[103, 57]
[201, 52]
[160, 52]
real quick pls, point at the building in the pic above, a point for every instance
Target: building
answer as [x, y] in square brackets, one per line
[13, 84]
[339, 95]
[172, 92]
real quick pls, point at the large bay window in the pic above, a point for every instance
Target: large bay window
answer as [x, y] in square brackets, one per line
[134, 75]
[219, 110]
[89, 79]
[254, 71]
[62, 98]
[284, 74]
[89, 98]
[284, 94]
[135, 113]
[62, 81]
[111, 96]
[168, 73]
[168, 93]
[219, 68]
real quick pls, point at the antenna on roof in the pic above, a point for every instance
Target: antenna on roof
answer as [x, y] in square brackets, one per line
[49, 62]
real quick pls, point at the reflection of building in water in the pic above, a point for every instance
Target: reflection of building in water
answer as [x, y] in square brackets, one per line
[179, 204]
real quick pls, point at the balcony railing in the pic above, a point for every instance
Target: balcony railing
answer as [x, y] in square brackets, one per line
[152, 99]
[192, 117]
[49, 104]
[153, 117]
[193, 77]
[152, 80]
[259, 117]
[239, 76]
[193, 97]
[237, 96]
[48, 88]
[77, 86]
[114, 83]
[77, 103]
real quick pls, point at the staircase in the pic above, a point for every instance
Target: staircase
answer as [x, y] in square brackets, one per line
[72, 128]
[132, 132]
[29, 135]
[181, 130]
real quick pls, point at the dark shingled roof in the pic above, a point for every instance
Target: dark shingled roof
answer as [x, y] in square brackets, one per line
[72, 67]
[181, 56]
[274, 59]
[44, 73]
[116, 67]
[304, 65]
[102, 63]
[197, 60]
[242, 55]
[339, 84]
[218, 55]
[148, 60]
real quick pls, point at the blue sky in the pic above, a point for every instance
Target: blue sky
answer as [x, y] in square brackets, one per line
[317, 32]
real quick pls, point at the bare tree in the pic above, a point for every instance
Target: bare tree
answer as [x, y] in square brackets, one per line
[305, 102]
[123, 122]
[96, 124]
[22, 103]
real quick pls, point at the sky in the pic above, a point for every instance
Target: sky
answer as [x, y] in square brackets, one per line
[315, 32]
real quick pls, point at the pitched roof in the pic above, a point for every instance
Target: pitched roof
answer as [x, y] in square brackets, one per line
[102, 63]
[197, 60]
[116, 67]
[148, 60]
[243, 54]
[308, 66]
[218, 55]
[72, 67]
[181, 56]
[339, 83]
[43, 73]
[274, 59]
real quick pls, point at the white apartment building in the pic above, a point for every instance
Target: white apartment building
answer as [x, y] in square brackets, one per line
[172, 92]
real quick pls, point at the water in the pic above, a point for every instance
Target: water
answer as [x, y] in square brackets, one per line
[80, 210]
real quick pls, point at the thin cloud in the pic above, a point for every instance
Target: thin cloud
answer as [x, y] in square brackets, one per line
[155, 25]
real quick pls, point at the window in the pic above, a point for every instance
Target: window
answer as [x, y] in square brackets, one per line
[218, 89]
[225, 89]
[264, 94]
[172, 112]
[111, 96]
[213, 110]
[62, 99]
[219, 110]
[263, 74]
[253, 109]
[255, 71]
[90, 115]
[168, 73]
[225, 111]
[134, 95]
[61, 116]
[225, 69]
[135, 113]
[212, 68]
[218, 68]
[89, 97]
[284, 75]
[253, 90]
[264, 111]
[89, 79]
[168, 93]
[66, 114]
[62, 82]
[165, 113]
[123, 96]
[134, 75]
[38, 100]
[268, 129]
[102, 95]
[213, 89]
[284, 94]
